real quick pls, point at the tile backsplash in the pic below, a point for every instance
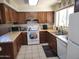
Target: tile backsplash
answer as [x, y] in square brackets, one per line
[50, 26]
[4, 28]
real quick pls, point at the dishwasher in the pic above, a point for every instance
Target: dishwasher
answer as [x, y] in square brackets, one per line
[61, 49]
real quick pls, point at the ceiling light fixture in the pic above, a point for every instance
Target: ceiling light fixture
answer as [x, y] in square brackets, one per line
[33, 2]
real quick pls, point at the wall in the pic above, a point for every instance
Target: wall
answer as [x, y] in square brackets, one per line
[1, 1]
[63, 4]
[4, 28]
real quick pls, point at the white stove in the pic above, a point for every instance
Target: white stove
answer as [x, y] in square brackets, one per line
[33, 33]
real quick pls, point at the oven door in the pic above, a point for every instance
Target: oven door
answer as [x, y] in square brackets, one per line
[33, 37]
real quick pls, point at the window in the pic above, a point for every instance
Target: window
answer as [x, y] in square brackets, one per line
[62, 16]
[56, 18]
[70, 10]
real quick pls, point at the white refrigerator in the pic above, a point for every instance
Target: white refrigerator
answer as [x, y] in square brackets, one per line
[73, 37]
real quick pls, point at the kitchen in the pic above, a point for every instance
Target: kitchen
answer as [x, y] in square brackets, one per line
[39, 29]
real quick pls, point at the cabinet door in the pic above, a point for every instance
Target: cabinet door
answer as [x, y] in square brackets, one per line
[43, 36]
[50, 17]
[6, 10]
[10, 13]
[2, 14]
[52, 42]
[42, 16]
[0, 17]
[24, 38]
[21, 17]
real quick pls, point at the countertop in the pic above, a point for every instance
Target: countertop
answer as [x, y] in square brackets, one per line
[9, 37]
[61, 37]
[49, 30]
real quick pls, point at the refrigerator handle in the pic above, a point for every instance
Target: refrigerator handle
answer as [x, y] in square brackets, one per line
[74, 42]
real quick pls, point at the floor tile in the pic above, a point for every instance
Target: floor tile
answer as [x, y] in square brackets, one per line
[53, 58]
[20, 57]
[32, 52]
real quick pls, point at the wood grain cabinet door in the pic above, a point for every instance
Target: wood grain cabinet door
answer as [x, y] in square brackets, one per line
[43, 36]
[52, 42]
[24, 38]
[7, 16]
[50, 17]
[0, 17]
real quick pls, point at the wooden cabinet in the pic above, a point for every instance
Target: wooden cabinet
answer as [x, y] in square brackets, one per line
[42, 16]
[43, 36]
[11, 49]
[2, 14]
[52, 42]
[12, 15]
[50, 17]
[46, 37]
[7, 14]
[24, 38]
[21, 17]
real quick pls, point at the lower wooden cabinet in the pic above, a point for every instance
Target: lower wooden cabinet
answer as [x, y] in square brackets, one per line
[52, 42]
[24, 38]
[46, 37]
[43, 37]
[11, 49]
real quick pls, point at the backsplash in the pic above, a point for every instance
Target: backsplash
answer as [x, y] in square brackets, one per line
[4, 28]
[50, 26]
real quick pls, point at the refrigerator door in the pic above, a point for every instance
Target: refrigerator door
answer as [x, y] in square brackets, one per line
[73, 50]
[74, 27]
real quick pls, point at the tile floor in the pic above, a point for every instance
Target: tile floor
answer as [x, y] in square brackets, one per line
[32, 52]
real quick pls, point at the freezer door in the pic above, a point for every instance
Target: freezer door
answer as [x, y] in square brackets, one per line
[72, 50]
[74, 27]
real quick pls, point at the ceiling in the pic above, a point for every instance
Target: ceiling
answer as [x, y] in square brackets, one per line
[40, 2]
[43, 5]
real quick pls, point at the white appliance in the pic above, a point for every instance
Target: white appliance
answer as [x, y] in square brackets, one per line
[32, 32]
[73, 39]
[61, 47]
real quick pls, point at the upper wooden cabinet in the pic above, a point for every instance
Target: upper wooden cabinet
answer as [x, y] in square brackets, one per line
[2, 14]
[50, 17]
[42, 17]
[9, 15]
[21, 17]
[12, 15]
